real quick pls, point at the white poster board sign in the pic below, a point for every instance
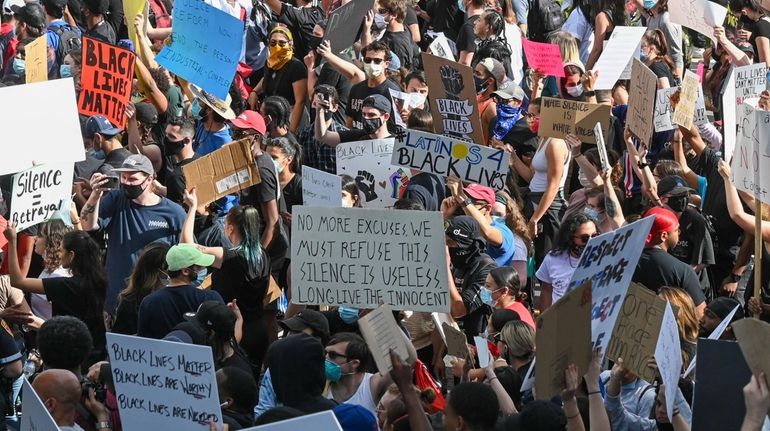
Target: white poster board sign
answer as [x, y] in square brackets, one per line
[668, 355]
[617, 54]
[320, 189]
[162, 385]
[601, 147]
[39, 132]
[35, 416]
[664, 111]
[368, 162]
[451, 157]
[38, 193]
[699, 15]
[324, 421]
[729, 113]
[440, 47]
[382, 334]
[366, 257]
[750, 81]
[610, 260]
[751, 159]
[404, 101]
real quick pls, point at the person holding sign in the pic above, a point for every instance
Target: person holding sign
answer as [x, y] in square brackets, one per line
[610, 13]
[375, 111]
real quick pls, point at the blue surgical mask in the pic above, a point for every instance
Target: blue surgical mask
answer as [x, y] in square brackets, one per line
[99, 155]
[19, 66]
[592, 213]
[348, 315]
[333, 371]
[65, 71]
[461, 5]
[379, 21]
[643, 57]
[195, 109]
[486, 297]
[201, 275]
[649, 4]
[277, 165]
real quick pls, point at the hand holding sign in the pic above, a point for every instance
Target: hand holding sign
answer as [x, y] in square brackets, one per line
[10, 233]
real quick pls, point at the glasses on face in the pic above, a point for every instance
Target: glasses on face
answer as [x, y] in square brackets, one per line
[586, 237]
[369, 60]
[502, 101]
[383, 11]
[494, 337]
[334, 355]
[281, 43]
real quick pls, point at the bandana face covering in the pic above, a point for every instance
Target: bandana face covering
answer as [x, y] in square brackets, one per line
[279, 56]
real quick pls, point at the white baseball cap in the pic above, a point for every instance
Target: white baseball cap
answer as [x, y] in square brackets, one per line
[9, 4]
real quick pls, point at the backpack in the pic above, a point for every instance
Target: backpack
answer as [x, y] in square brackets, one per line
[69, 39]
[544, 17]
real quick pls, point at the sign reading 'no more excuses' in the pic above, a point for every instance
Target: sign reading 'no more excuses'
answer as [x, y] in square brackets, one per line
[365, 257]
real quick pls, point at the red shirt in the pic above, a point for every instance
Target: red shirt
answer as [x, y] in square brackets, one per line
[523, 313]
[10, 50]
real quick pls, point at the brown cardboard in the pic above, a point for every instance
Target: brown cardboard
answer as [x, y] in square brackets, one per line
[635, 336]
[753, 336]
[641, 102]
[559, 117]
[227, 170]
[456, 343]
[453, 99]
[563, 337]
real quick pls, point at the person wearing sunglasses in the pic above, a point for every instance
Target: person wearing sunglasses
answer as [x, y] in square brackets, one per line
[376, 58]
[556, 270]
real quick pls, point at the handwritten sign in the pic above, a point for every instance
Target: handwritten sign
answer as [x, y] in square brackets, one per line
[450, 157]
[664, 111]
[367, 257]
[750, 81]
[752, 153]
[699, 15]
[163, 385]
[635, 336]
[453, 99]
[227, 170]
[560, 117]
[404, 102]
[381, 333]
[440, 47]
[753, 336]
[106, 81]
[36, 60]
[729, 113]
[37, 193]
[684, 114]
[344, 24]
[324, 421]
[616, 55]
[36, 416]
[368, 162]
[610, 260]
[206, 58]
[668, 356]
[544, 57]
[320, 189]
[563, 337]
[641, 101]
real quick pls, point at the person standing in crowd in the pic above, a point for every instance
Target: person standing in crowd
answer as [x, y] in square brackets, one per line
[502, 290]
[660, 19]
[315, 154]
[466, 39]
[212, 114]
[376, 58]
[60, 392]
[716, 312]
[396, 35]
[287, 157]
[375, 113]
[238, 393]
[178, 150]
[609, 14]
[301, 17]
[62, 36]
[103, 137]
[96, 26]
[48, 245]
[655, 55]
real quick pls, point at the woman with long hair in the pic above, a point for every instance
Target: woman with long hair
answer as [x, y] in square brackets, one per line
[686, 320]
[655, 56]
[351, 196]
[48, 245]
[502, 290]
[609, 14]
[149, 275]
[580, 25]
[508, 209]
[287, 158]
[659, 19]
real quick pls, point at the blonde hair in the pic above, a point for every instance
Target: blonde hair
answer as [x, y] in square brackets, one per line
[686, 317]
[520, 339]
[567, 45]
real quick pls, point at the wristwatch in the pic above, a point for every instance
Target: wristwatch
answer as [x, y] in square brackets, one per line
[103, 425]
[466, 202]
[642, 164]
[734, 278]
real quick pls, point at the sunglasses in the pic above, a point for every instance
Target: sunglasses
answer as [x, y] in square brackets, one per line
[334, 355]
[502, 101]
[586, 237]
[369, 60]
[494, 337]
[281, 43]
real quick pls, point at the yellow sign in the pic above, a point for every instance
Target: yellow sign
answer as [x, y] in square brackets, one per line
[132, 8]
[36, 60]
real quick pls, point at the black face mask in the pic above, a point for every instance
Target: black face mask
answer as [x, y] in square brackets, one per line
[371, 125]
[132, 191]
[460, 257]
[172, 148]
[678, 203]
[314, 42]
[746, 20]
[577, 250]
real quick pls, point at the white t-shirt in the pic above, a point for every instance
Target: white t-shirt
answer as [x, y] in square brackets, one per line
[581, 29]
[362, 397]
[557, 270]
[513, 35]
[39, 303]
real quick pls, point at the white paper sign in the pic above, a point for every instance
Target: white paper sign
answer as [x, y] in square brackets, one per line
[601, 147]
[35, 416]
[38, 193]
[751, 160]
[750, 81]
[529, 378]
[39, 132]
[729, 112]
[320, 189]
[405, 101]
[324, 421]
[616, 55]
[368, 162]
[440, 47]
[162, 385]
[668, 355]
[699, 15]
[610, 260]
[381, 333]
[714, 335]
[482, 350]
[451, 157]
[664, 111]
[365, 257]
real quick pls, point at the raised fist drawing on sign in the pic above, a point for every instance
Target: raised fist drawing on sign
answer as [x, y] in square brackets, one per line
[365, 182]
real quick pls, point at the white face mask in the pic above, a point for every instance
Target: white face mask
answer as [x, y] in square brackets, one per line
[278, 167]
[575, 91]
[583, 179]
[373, 70]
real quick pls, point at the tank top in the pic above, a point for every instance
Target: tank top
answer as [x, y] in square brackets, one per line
[483, 105]
[362, 397]
[539, 181]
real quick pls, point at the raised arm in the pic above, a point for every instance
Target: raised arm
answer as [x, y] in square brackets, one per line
[507, 407]
[734, 207]
[188, 236]
[738, 57]
[346, 68]
[689, 175]
[588, 169]
[611, 203]
[89, 215]
[601, 27]
[492, 235]
[596, 411]
[321, 132]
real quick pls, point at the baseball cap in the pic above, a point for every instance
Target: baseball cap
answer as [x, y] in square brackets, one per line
[186, 255]
[477, 192]
[136, 163]
[187, 332]
[355, 418]
[146, 113]
[723, 305]
[216, 316]
[463, 230]
[495, 68]
[250, 120]
[395, 62]
[101, 125]
[31, 14]
[665, 221]
[9, 4]
[509, 90]
[673, 185]
[307, 319]
[378, 102]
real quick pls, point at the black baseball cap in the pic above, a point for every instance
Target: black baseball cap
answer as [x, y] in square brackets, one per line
[216, 316]
[312, 319]
[378, 102]
[31, 14]
[146, 113]
[673, 185]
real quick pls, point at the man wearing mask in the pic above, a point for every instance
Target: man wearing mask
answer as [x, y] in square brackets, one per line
[132, 216]
[178, 152]
[375, 111]
[97, 27]
[658, 268]
[716, 312]
[315, 154]
[212, 132]
[695, 246]
[104, 139]
[376, 57]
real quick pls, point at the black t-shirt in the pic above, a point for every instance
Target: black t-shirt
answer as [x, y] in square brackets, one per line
[330, 76]
[695, 245]
[176, 183]
[466, 40]
[656, 269]
[126, 316]
[301, 21]
[236, 279]
[760, 28]
[163, 309]
[469, 282]
[446, 17]
[86, 168]
[280, 82]
[361, 91]
[715, 204]
[661, 70]
[411, 16]
[292, 192]
[401, 44]
[428, 189]
[103, 32]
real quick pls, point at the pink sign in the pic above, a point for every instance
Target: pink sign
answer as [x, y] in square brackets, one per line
[545, 57]
[699, 71]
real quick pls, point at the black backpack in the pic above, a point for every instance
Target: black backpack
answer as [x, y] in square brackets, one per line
[69, 39]
[544, 17]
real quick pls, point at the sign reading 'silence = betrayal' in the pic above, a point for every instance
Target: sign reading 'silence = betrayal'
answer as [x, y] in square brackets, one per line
[367, 257]
[38, 193]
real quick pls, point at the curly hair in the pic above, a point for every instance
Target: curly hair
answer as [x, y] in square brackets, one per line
[567, 231]
[161, 79]
[64, 342]
[53, 233]
[514, 219]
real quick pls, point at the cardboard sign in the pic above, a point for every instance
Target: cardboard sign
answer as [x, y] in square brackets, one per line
[560, 117]
[563, 337]
[610, 260]
[162, 384]
[366, 257]
[36, 60]
[750, 81]
[382, 335]
[616, 55]
[440, 47]
[344, 24]
[699, 15]
[635, 336]
[404, 102]
[451, 157]
[453, 99]
[320, 189]
[752, 152]
[544, 57]
[324, 421]
[106, 81]
[753, 336]
[663, 110]
[368, 162]
[724, 369]
[206, 58]
[52, 135]
[132, 8]
[729, 114]
[714, 335]
[641, 102]
[684, 114]
[456, 342]
[227, 170]
[601, 147]
[38, 192]
[35, 415]
[668, 356]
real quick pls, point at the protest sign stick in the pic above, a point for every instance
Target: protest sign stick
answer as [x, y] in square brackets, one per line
[757, 248]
